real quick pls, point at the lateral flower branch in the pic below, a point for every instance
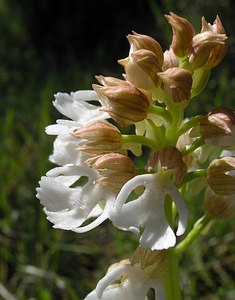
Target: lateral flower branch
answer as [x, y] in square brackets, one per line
[96, 178]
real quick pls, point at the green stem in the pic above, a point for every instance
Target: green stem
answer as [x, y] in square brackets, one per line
[138, 139]
[177, 112]
[159, 132]
[194, 174]
[189, 124]
[193, 234]
[160, 111]
[172, 277]
[197, 143]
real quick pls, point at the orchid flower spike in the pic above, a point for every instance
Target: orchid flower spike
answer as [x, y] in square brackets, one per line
[147, 210]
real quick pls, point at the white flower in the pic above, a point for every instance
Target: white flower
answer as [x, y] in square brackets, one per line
[76, 107]
[68, 207]
[134, 285]
[147, 211]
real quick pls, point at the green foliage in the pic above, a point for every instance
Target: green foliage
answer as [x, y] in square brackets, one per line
[38, 262]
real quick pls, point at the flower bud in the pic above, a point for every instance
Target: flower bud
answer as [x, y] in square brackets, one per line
[207, 49]
[141, 68]
[144, 61]
[218, 52]
[154, 263]
[169, 158]
[116, 169]
[141, 41]
[177, 83]
[103, 136]
[170, 60]
[220, 176]
[219, 207]
[217, 26]
[218, 128]
[124, 103]
[183, 33]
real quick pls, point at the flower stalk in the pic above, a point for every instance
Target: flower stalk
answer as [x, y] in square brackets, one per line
[198, 227]
[172, 286]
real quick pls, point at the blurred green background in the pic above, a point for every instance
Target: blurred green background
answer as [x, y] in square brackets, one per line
[50, 46]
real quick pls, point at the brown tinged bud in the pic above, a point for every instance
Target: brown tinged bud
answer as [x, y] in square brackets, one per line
[177, 83]
[221, 176]
[153, 263]
[218, 52]
[170, 60]
[124, 103]
[116, 169]
[169, 158]
[140, 41]
[144, 61]
[217, 26]
[183, 33]
[102, 137]
[207, 49]
[219, 200]
[218, 128]
[141, 68]
[219, 207]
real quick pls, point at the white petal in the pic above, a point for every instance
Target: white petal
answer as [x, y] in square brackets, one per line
[134, 287]
[182, 210]
[66, 220]
[148, 212]
[101, 217]
[113, 292]
[110, 277]
[68, 207]
[85, 95]
[76, 108]
[65, 151]
[65, 145]
[157, 234]
[159, 291]
[56, 196]
[62, 127]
